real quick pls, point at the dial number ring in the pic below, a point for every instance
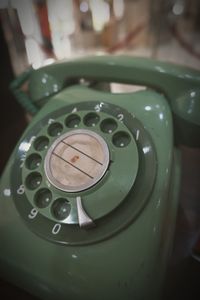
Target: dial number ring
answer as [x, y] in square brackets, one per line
[105, 226]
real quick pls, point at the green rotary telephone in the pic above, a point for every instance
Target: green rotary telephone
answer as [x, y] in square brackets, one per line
[89, 196]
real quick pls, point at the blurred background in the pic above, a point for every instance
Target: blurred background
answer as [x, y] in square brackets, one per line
[38, 32]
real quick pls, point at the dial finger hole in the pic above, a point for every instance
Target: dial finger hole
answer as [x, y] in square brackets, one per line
[121, 139]
[55, 129]
[61, 209]
[41, 143]
[108, 125]
[33, 180]
[72, 121]
[43, 198]
[91, 119]
[33, 161]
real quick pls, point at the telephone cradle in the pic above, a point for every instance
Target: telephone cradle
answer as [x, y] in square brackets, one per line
[89, 195]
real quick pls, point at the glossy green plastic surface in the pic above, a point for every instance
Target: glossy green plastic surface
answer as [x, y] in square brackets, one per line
[118, 267]
[125, 255]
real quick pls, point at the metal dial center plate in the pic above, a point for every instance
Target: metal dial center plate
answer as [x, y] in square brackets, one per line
[77, 160]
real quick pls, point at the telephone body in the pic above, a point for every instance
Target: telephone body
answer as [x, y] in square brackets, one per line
[89, 196]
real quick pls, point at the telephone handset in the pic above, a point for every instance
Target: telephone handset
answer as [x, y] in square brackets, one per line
[179, 84]
[91, 189]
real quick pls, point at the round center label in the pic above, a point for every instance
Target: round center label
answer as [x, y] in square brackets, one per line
[77, 160]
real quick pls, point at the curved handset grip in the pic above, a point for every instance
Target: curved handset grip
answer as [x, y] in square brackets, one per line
[180, 85]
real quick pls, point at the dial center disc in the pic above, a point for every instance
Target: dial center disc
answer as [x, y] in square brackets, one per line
[77, 160]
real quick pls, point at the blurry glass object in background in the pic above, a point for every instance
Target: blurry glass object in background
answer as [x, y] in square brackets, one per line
[41, 31]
